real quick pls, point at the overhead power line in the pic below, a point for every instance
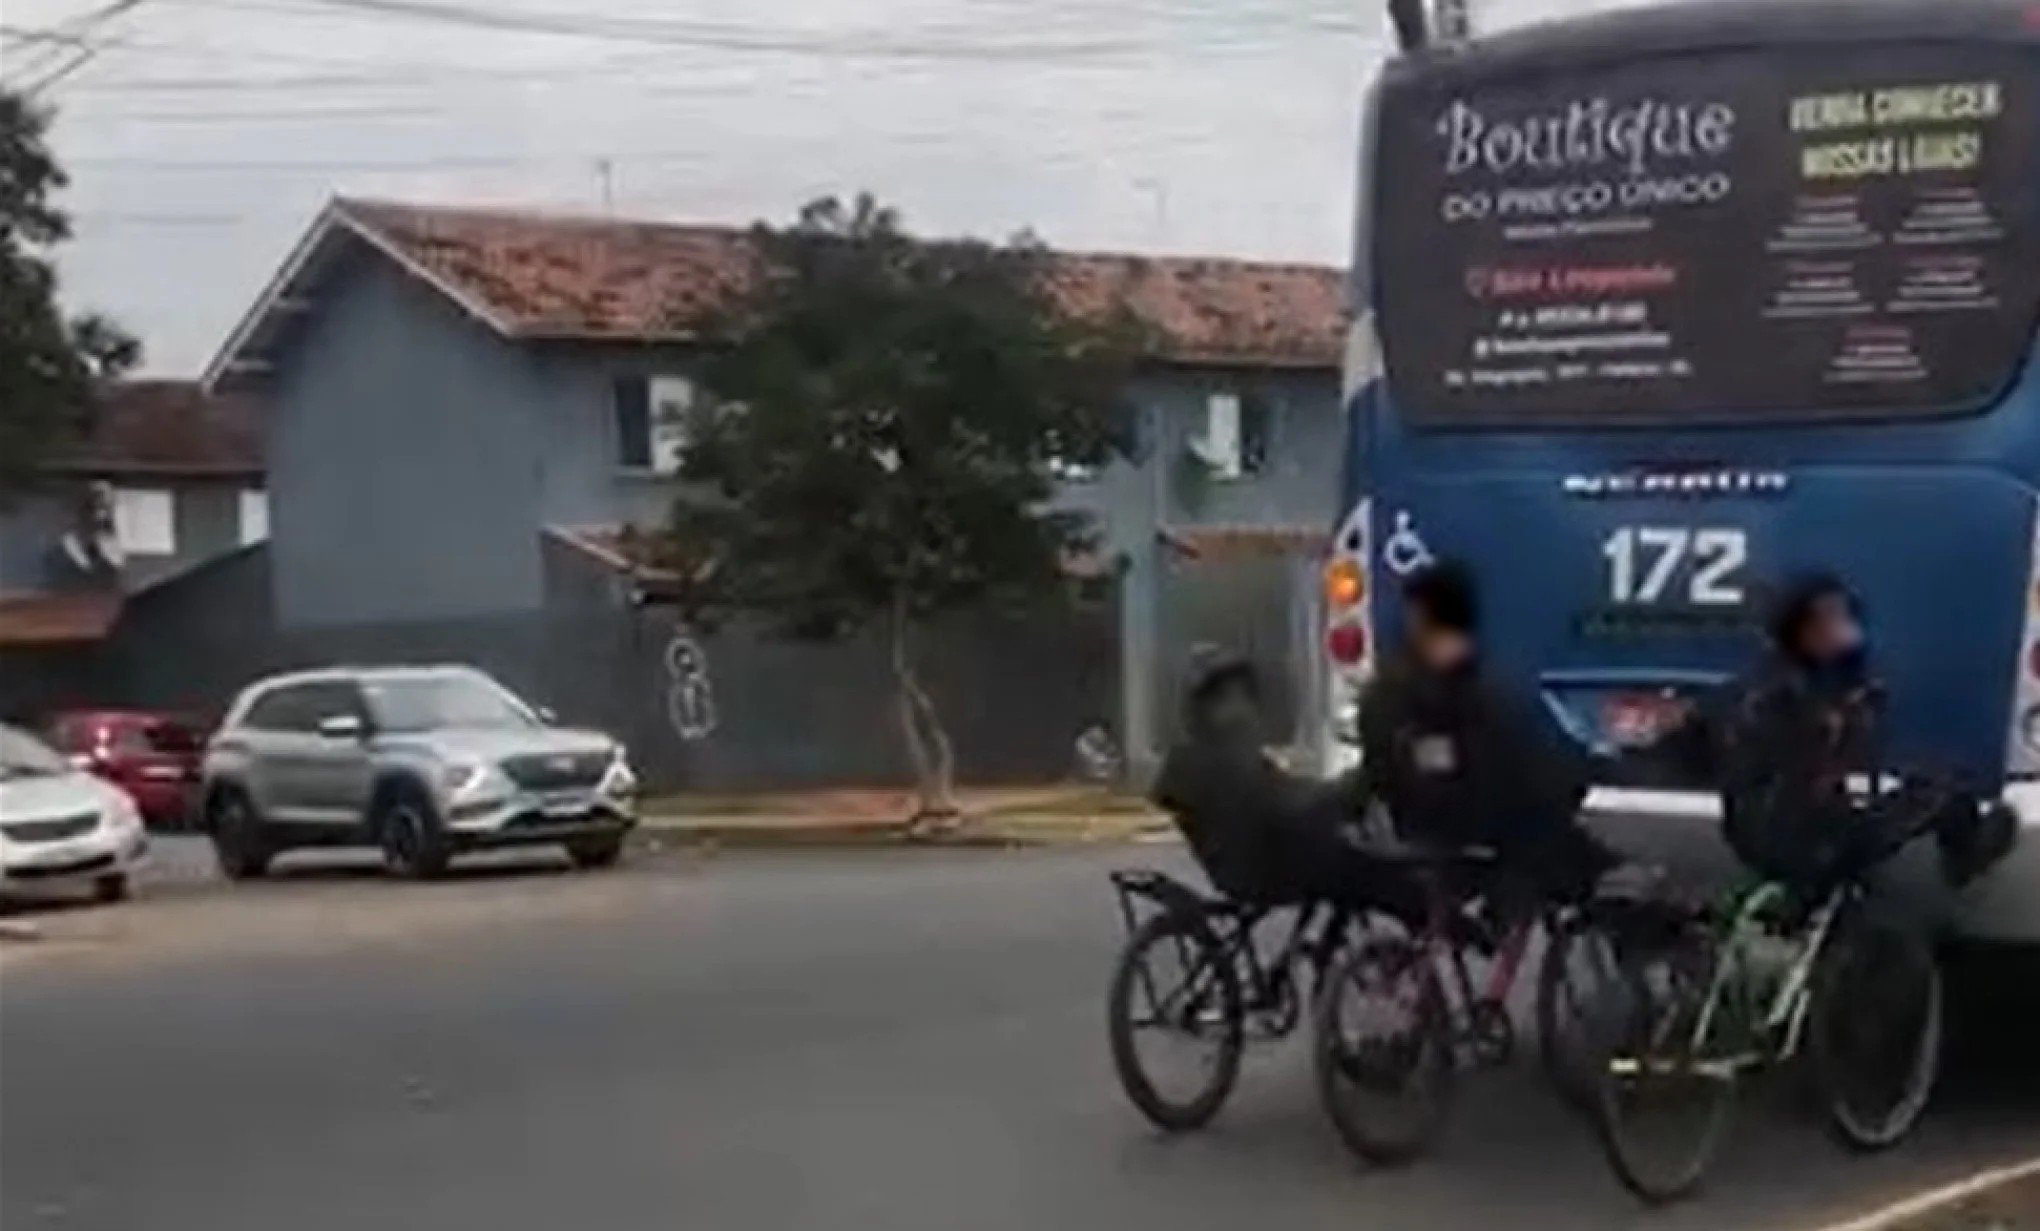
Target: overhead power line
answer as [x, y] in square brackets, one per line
[714, 36]
[76, 35]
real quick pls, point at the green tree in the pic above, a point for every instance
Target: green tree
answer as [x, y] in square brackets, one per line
[884, 420]
[48, 365]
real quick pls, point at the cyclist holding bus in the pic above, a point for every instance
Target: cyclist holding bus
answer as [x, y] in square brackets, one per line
[1808, 952]
[1459, 760]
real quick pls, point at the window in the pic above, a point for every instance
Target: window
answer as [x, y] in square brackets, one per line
[426, 702]
[145, 521]
[275, 710]
[651, 422]
[254, 515]
[318, 702]
[1234, 440]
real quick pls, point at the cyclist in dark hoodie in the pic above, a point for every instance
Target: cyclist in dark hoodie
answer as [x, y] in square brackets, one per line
[1802, 722]
[1459, 759]
[1264, 835]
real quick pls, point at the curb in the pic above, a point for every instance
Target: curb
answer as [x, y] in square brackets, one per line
[1936, 1200]
[858, 834]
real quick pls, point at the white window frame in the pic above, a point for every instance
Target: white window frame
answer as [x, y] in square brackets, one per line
[252, 515]
[145, 521]
[670, 400]
[1220, 445]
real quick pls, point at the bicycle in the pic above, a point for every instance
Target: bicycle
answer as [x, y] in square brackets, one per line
[1193, 973]
[1739, 987]
[1410, 1065]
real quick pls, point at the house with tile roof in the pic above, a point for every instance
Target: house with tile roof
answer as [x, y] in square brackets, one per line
[474, 417]
[165, 478]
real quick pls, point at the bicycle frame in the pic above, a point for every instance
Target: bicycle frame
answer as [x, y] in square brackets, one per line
[1234, 929]
[1784, 1018]
[1437, 945]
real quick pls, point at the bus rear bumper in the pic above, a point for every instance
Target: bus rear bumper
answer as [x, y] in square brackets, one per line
[2004, 903]
[2002, 906]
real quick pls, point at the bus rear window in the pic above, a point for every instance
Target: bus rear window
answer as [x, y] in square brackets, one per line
[1754, 233]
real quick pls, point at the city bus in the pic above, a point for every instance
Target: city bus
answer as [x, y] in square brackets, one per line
[1655, 308]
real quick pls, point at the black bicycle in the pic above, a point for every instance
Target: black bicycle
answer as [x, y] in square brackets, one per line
[1198, 981]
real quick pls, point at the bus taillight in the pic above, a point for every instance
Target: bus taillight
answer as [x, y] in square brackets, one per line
[1347, 644]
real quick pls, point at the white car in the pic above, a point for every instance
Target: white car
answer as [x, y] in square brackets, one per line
[61, 826]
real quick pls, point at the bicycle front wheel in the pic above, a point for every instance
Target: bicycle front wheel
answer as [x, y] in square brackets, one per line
[1573, 1000]
[1382, 1044]
[1664, 1104]
[1176, 1021]
[1874, 1030]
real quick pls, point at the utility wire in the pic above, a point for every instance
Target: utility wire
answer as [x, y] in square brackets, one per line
[76, 33]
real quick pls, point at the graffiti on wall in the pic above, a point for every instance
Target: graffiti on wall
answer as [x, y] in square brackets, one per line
[690, 695]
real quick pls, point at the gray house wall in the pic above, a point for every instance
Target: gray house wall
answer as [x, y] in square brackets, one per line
[29, 531]
[206, 520]
[404, 458]
[584, 485]
[1170, 605]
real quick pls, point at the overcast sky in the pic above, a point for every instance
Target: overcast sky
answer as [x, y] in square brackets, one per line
[206, 133]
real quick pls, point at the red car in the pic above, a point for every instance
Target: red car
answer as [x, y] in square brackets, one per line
[154, 757]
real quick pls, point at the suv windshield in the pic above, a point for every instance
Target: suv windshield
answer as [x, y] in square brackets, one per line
[24, 756]
[421, 703]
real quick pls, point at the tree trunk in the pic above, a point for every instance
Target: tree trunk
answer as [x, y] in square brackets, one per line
[928, 746]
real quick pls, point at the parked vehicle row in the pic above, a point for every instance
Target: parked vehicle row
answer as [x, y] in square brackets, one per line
[421, 763]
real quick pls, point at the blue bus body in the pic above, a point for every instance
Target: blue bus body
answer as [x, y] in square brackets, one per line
[1626, 548]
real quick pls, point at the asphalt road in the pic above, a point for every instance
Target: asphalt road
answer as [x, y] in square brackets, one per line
[896, 1040]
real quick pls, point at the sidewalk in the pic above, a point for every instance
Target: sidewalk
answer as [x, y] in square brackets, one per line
[1005, 817]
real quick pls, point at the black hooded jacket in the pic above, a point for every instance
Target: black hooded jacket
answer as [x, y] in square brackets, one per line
[1460, 760]
[1795, 732]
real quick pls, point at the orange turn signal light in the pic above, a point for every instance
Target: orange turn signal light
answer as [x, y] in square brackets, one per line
[1345, 583]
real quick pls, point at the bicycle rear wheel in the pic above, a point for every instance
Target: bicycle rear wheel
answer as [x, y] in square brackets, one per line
[1176, 1021]
[1874, 1030]
[1382, 1047]
[1573, 1000]
[1663, 1104]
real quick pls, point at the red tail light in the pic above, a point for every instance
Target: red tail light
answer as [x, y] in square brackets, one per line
[1346, 643]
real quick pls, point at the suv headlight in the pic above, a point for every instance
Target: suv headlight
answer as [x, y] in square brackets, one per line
[618, 780]
[468, 779]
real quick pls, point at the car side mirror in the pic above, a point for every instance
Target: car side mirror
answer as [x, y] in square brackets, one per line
[341, 726]
[548, 715]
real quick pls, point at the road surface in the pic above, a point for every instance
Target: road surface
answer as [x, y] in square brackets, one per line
[886, 1039]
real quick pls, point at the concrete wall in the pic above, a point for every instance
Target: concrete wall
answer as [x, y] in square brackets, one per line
[1016, 689]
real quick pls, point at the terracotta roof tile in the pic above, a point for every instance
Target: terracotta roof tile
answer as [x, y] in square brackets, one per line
[57, 618]
[539, 275]
[169, 427]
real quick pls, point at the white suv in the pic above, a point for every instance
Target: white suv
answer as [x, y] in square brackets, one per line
[423, 762]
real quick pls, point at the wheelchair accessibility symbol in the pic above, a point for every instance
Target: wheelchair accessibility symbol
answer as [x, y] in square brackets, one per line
[1404, 552]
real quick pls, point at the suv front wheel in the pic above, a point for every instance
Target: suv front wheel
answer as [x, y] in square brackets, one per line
[595, 851]
[240, 841]
[413, 841]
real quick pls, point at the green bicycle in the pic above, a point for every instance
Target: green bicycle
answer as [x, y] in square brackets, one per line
[1708, 996]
